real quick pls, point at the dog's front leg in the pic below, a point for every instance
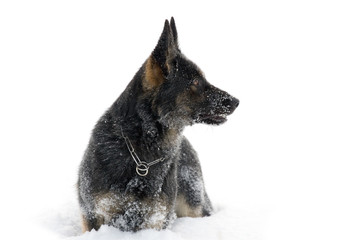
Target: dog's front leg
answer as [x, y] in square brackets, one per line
[192, 199]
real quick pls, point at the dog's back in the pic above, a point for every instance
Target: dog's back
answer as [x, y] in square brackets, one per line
[139, 171]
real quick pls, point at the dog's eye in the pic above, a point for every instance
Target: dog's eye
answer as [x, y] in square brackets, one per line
[195, 85]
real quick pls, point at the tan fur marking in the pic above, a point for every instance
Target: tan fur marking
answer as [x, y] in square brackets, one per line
[84, 223]
[84, 227]
[182, 100]
[153, 74]
[183, 209]
[193, 88]
[109, 204]
[172, 136]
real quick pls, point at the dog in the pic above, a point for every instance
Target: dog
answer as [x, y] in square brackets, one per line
[139, 171]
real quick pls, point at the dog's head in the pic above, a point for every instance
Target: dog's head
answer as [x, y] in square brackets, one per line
[180, 93]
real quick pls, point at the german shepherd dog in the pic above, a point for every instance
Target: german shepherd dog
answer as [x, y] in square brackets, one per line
[139, 171]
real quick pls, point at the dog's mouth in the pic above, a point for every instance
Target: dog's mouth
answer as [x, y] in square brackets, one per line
[212, 119]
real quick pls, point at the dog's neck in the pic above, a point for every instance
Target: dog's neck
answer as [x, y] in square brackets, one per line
[172, 135]
[163, 148]
[165, 137]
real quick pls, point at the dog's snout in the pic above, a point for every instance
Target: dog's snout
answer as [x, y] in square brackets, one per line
[226, 102]
[231, 103]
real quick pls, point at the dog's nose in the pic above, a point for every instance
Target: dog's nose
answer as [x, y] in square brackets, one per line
[236, 102]
[231, 103]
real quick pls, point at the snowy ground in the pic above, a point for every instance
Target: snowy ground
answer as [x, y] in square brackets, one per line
[226, 223]
[285, 165]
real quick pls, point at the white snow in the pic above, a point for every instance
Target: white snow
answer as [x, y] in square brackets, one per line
[284, 166]
[226, 223]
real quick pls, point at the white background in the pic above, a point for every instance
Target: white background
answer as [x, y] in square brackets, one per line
[290, 151]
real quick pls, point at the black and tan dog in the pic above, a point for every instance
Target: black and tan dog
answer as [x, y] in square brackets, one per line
[139, 171]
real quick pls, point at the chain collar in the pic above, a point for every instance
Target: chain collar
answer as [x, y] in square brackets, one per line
[142, 168]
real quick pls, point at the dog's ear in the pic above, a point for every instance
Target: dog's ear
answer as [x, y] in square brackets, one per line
[158, 64]
[174, 32]
[167, 46]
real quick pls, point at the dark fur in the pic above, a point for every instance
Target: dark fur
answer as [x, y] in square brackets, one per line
[168, 93]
